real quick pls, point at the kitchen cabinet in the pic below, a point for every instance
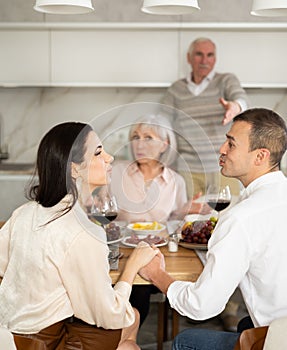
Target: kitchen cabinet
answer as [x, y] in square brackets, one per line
[113, 57]
[25, 57]
[137, 55]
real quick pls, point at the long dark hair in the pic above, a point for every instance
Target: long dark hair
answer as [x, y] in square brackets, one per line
[63, 144]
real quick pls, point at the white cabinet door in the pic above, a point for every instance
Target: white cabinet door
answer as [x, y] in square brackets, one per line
[114, 56]
[257, 57]
[24, 58]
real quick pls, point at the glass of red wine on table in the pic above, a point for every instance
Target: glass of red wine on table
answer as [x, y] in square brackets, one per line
[218, 198]
[104, 209]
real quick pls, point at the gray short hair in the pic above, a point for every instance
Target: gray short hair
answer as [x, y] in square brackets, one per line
[200, 40]
[162, 127]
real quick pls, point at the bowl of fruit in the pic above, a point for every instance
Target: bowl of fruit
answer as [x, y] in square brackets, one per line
[195, 234]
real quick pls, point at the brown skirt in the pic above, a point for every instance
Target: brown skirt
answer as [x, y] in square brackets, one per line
[70, 334]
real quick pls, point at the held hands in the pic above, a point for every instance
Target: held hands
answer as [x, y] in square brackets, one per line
[156, 264]
[142, 255]
[231, 110]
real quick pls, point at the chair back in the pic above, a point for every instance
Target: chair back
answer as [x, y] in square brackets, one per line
[276, 338]
[6, 339]
[252, 339]
[25, 343]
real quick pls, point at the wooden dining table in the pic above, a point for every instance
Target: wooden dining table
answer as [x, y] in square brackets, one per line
[183, 265]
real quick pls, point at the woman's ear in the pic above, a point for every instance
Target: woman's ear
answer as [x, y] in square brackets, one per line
[164, 146]
[75, 170]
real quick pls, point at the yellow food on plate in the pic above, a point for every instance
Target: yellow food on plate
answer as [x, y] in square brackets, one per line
[147, 226]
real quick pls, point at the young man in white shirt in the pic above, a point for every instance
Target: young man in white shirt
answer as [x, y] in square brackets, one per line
[248, 246]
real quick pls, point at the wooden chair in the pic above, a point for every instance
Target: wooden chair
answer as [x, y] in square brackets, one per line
[26, 343]
[264, 338]
[251, 339]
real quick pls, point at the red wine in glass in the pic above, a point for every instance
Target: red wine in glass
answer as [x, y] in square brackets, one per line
[218, 198]
[104, 219]
[218, 205]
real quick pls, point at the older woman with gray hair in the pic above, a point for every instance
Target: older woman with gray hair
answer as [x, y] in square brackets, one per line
[147, 189]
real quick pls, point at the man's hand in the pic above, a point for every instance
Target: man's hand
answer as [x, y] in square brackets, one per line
[231, 110]
[156, 274]
[151, 268]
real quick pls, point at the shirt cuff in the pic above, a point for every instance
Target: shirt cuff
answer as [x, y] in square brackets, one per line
[242, 103]
[173, 290]
[123, 287]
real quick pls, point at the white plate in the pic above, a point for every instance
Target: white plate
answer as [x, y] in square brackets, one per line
[144, 231]
[124, 241]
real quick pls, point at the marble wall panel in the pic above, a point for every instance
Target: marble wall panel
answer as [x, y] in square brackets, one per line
[27, 113]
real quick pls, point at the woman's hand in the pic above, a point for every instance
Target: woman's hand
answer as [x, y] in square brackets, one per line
[157, 263]
[142, 255]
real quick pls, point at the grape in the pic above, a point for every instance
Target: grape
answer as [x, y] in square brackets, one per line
[198, 231]
[113, 232]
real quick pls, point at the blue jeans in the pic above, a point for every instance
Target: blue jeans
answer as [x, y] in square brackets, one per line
[204, 339]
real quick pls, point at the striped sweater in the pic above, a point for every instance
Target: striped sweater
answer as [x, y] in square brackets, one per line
[197, 120]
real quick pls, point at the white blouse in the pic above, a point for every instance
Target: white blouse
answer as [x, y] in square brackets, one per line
[56, 270]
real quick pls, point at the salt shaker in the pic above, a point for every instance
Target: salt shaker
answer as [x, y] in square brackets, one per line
[173, 243]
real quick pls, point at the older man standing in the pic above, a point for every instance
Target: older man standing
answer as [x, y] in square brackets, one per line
[210, 100]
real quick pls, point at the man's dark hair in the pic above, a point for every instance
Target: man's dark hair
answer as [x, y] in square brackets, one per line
[268, 130]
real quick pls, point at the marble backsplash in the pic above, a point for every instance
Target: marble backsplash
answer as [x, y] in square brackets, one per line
[28, 113]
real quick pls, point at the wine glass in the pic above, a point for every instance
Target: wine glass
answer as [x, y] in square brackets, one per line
[104, 209]
[218, 197]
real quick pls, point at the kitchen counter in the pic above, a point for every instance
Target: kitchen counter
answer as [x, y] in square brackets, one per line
[14, 181]
[16, 169]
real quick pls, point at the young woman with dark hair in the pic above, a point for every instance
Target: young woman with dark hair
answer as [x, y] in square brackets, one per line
[54, 260]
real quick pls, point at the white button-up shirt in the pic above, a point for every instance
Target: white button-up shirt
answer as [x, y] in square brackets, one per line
[247, 248]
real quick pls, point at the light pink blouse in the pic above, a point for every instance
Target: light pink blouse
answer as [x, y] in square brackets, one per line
[154, 201]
